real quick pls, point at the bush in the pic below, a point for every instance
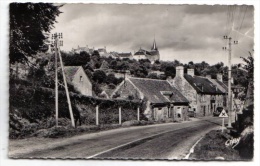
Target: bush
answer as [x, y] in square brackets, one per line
[99, 76]
[35, 105]
[29, 129]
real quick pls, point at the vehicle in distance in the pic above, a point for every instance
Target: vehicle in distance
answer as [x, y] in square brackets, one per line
[192, 113]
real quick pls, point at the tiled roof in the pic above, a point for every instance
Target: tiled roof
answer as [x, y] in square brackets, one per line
[104, 65]
[101, 49]
[222, 84]
[158, 91]
[126, 54]
[70, 71]
[226, 83]
[202, 85]
[142, 52]
[154, 52]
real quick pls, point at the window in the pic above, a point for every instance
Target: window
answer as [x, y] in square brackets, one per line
[80, 79]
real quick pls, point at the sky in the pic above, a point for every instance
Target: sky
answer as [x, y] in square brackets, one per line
[182, 32]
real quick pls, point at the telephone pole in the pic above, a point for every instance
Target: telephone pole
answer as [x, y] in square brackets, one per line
[55, 38]
[57, 44]
[229, 78]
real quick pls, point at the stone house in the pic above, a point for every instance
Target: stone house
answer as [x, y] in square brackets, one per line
[78, 78]
[203, 95]
[125, 55]
[221, 86]
[152, 54]
[162, 100]
[80, 49]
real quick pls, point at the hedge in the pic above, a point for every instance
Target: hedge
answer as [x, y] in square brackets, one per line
[38, 104]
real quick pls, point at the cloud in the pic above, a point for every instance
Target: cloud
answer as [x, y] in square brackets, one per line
[185, 31]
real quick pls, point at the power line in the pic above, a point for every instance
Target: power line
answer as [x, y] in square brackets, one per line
[238, 19]
[241, 49]
[231, 19]
[227, 20]
[242, 19]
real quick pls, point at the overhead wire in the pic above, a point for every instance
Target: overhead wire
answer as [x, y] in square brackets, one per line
[243, 50]
[231, 19]
[238, 20]
[242, 21]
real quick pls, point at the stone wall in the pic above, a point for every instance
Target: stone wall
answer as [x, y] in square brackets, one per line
[126, 90]
[82, 83]
[203, 104]
[180, 113]
[186, 89]
[160, 113]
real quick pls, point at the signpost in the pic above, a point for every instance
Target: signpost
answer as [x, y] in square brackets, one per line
[223, 115]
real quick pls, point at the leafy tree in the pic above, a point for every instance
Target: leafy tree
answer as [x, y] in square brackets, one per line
[219, 65]
[30, 24]
[84, 56]
[36, 74]
[99, 76]
[157, 62]
[113, 64]
[75, 59]
[95, 60]
[249, 67]
[170, 71]
[111, 79]
[96, 88]
[190, 63]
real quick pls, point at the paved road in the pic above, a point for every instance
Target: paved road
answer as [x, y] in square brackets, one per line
[164, 141]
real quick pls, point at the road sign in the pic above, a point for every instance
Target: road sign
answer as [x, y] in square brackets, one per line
[223, 114]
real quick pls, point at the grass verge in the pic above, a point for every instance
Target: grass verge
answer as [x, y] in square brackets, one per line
[212, 147]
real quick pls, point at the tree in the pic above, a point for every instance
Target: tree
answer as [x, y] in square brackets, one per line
[84, 57]
[111, 79]
[99, 76]
[170, 71]
[113, 64]
[30, 24]
[249, 67]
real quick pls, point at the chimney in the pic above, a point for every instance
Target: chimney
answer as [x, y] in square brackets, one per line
[208, 76]
[220, 77]
[179, 71]
[190, 72]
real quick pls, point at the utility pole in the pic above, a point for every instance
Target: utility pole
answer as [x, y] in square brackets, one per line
[57, 44]
[229, 78]
[55, 38]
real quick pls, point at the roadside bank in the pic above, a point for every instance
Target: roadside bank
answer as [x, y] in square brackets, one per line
[216, 145]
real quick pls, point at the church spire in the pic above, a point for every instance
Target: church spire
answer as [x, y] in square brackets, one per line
[154, 47]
